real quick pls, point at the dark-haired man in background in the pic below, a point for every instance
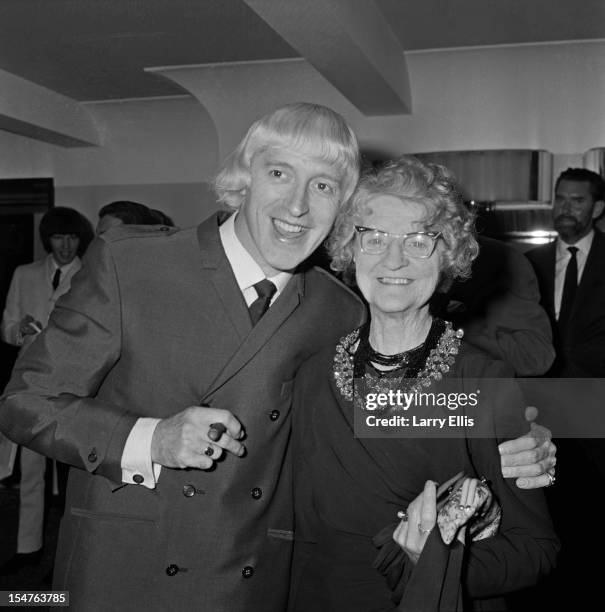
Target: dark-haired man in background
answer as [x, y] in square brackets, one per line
[571, 275]
[34, 289]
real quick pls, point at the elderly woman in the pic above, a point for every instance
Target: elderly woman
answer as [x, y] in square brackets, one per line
[404, 234]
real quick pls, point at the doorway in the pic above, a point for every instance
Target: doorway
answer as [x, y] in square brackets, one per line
[22, 203]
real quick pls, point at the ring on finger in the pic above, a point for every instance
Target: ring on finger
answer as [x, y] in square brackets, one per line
[209, 451]
[402, 515]
[551, 479]
[422, 530]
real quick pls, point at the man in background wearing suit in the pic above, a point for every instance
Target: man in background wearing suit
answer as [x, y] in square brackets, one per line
[170, 337]
[571, 275]
[499, 309]
[34, 289]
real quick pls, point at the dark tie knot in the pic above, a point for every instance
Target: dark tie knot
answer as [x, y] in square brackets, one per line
[265, 289]
[56, 278]
[573, 250]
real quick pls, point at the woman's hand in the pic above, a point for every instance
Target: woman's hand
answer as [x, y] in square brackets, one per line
[420, 518]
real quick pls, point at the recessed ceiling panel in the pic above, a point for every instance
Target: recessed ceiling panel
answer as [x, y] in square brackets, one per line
[95, 50]
[438, 24]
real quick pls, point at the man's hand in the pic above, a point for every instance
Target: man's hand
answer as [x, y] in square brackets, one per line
[29, 326]
[531, 459]
[182, 441]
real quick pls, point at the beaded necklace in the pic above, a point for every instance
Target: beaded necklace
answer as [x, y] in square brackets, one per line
[437, 354]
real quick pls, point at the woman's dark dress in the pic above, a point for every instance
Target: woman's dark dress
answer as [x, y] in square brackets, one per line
[348, 489]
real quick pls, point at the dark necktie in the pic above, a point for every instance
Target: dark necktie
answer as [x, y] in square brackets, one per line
[56, 278]
[570, 286]
[266, 290]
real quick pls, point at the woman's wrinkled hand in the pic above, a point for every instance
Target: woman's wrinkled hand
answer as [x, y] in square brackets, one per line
[420, 518]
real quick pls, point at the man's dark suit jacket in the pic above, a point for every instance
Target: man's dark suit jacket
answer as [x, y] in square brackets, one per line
[154, 323]
[582, 353]
[498, 308]
[580, 485]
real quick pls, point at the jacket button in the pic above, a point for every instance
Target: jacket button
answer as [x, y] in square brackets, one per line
[164, 228]
[138, 479]
[274, 415]
[92, 457]
[172, 569]
[256, 493]
[188, 490]
[248, 571]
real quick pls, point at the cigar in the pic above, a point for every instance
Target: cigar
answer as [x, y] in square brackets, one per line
[215, 431]
[34, 327]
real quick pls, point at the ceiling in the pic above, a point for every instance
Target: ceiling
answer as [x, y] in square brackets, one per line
[97, 49]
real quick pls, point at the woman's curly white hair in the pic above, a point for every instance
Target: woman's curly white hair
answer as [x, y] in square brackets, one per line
[430, 185]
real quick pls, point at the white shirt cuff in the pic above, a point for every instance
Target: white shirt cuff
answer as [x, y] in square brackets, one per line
[137, 467]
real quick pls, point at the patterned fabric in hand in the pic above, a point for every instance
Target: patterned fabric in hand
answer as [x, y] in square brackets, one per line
[483, 519]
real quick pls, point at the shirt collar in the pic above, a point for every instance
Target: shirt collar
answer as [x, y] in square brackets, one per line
[246, 271]
[53, 266]
[583, 245]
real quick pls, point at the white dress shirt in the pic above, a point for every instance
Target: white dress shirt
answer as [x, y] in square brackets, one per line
[562, 258]
[246, 271]
[31, 293]
[136, 457]
[75, 264]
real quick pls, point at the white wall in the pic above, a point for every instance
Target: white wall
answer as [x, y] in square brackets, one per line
[537, 97]
[169, 140]
[157, 152]
[186, 203]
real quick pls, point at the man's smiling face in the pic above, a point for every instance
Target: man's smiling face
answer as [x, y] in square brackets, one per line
[289, 207]
[64, 248]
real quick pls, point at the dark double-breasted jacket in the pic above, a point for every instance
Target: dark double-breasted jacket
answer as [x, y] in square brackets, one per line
[155, 322]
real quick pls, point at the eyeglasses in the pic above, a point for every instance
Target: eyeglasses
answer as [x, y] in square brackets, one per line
[416, 244]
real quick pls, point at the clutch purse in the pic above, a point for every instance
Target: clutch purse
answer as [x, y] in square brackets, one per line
[482, 522]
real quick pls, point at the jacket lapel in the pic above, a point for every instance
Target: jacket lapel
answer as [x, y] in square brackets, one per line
[262, 332]
[232, 299]
[546, 276]
[216, 266]
[65, 282]
[592, 275]
[222, 279]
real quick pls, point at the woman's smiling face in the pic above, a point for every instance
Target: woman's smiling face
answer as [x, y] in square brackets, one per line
[393, 282]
